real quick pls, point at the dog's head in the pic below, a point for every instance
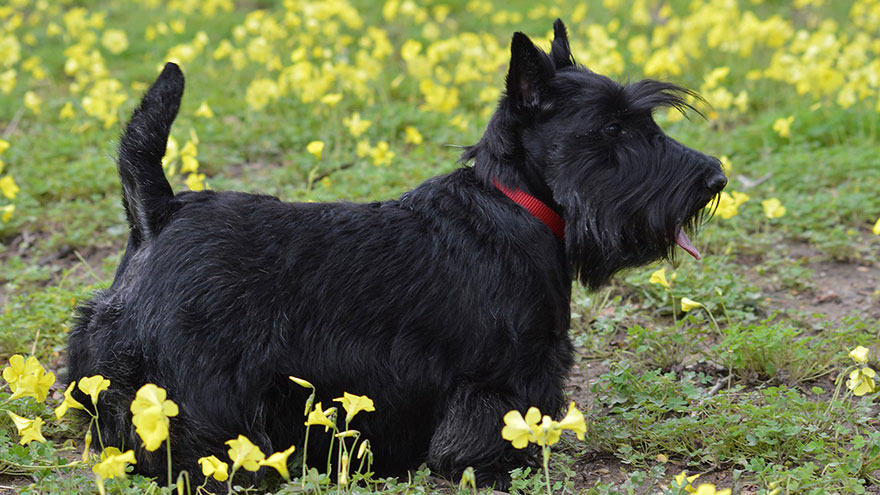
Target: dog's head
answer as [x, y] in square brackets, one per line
[589, 148]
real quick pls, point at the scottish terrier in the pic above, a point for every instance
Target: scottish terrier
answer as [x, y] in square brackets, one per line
[448, 307]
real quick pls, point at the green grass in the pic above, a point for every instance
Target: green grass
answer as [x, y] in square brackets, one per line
[748, 396]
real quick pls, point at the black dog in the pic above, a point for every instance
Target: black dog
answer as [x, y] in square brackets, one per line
[448, 307]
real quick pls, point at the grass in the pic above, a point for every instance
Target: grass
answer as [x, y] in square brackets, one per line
[751, 402]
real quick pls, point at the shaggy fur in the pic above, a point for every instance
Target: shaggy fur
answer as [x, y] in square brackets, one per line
[448, 307]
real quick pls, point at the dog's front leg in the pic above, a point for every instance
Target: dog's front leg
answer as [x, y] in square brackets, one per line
[470, 435]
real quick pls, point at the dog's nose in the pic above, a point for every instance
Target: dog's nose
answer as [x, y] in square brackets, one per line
[716, 182]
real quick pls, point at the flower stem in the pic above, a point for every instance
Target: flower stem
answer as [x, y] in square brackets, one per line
[714, 322]
[330, 452]
[168, 457]
[838, 383]
[305, 451]
[98, 428]
[724, 308]
[229, 481]
[546, 451]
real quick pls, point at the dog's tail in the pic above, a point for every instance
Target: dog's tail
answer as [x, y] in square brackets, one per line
[145, 190]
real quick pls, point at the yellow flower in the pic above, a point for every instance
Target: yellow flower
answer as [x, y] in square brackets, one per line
[689, 304]
[550, 432]
[709, 489]
[27, 378]
[93, 385]
[196, 182]
[18, 367]
[172, 151]
[354, 404]
[177, 25]
[87, 445]
[331, 99]
[301, 382]
[34, 385]
[32, 102]
[317, 417]
[413, 135]
[659, 277]
[355, 125]
[150, 412]
[245, 454]
[211, 466]
[315, 148]
[773, 208]
[363, 449]
[363, 148]
[189, 164]
[876, 229]
[7, 81]
[437, 97]
[204, 111]
[4, 145]
[861, 382]
[574, 421]
[260, 92]
[459, 122]
[859, 355]
[343, 469]
[728, 204]
[782, 126]
[67, 112]
[278, 460]
[103, 101]
[115, 41]
[682, 480]
[520, 431]
[739, 198]
[29, 429]
[381, 155]
[113, 463]
[7, 211]
[8, 187]
[68, 403]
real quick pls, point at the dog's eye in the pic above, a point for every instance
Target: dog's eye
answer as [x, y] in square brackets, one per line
[612, 130]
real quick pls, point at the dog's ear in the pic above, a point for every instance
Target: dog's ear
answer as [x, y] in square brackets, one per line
[530, 69]
[560, 52]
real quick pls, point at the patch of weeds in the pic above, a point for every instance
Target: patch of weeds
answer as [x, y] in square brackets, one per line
[716, 282]
[39, 320]
[652, 413]
[773, 351]
[664, 347]
[596, 320]
[531, 481]
[808, 478]
[16, 272]
[637, 404]
[635, 482]
[784, 272]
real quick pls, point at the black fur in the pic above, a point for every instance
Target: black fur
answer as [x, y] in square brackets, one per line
[449, 306]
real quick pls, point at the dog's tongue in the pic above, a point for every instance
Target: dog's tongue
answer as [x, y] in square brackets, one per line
[684, 241]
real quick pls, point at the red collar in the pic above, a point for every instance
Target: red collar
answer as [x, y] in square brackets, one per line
[537, 208]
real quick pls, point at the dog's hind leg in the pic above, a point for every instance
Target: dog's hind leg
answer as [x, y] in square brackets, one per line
[470, 435]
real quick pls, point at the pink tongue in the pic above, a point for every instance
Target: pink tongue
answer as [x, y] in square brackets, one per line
[684, 241]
